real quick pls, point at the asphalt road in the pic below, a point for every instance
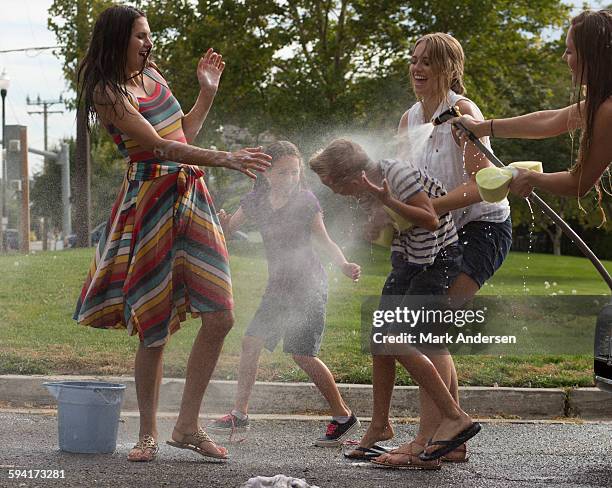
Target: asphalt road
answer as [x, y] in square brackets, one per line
[508, 455]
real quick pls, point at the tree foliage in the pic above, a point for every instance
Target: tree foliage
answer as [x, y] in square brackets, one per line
[306, 69]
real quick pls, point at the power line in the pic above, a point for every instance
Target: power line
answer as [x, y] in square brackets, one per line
[28, 49]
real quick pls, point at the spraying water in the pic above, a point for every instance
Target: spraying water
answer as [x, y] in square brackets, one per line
[529, 248]
[411, 144]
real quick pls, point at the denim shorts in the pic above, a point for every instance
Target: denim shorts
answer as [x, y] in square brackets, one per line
[484, 246]
[414, 286]
[408, 278]
[297, 317]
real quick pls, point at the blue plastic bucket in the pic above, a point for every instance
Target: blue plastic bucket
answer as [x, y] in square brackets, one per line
[87, 415]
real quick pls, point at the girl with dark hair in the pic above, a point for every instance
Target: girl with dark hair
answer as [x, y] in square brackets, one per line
[288, 216]
[588, 54]
[163, 254]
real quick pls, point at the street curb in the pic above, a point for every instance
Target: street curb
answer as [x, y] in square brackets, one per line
[300, 398]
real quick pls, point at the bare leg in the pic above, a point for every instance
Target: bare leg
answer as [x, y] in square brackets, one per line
[202, 361]
[430, 416]
[247, 373]
[148, 376]
[462, 290]
[321, 376]
[383, 381]
[453, 420]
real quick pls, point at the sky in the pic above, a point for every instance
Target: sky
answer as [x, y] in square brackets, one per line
[24, 25]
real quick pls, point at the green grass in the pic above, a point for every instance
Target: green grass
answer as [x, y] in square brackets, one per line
[38, 336]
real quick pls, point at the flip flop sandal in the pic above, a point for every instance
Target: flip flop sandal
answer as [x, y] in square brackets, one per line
[459, 455]
[414, 462]
[450, 445]
[193, 444]
[366, 452]
[146, 447]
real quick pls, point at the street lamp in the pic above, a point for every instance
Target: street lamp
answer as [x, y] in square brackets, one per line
[5, 81]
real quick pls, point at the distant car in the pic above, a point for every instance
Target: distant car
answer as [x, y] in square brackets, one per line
[603, 349]
[94, 236]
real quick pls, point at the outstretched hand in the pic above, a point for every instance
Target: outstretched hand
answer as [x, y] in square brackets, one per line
[248, 160]
[383, 193]
[210, 68]
[224, 220]
[352, 270]
[520, 184]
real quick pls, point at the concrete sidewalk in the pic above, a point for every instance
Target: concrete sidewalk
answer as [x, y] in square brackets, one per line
[304, 398]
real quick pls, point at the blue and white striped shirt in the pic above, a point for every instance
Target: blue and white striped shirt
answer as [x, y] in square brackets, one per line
[418, 245]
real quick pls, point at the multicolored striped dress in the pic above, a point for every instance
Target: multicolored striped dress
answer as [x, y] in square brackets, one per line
[163, 252]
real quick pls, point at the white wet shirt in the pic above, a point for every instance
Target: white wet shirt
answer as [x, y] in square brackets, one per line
[442, 158]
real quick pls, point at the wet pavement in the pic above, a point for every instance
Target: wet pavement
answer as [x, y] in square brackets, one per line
[504, 454]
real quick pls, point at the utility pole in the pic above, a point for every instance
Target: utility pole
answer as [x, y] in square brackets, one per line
[45, 104]
[82, 180]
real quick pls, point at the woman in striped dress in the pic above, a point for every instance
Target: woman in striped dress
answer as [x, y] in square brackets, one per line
[163, 253]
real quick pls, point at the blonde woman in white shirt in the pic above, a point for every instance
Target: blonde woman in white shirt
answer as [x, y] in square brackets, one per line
[485, 230]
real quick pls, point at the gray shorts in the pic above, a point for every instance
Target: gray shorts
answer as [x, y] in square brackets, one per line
[299, 318]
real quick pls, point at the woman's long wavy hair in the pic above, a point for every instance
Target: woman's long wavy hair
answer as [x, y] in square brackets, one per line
[102, 70]
[592, 35]
[447, 61]
[593, 40]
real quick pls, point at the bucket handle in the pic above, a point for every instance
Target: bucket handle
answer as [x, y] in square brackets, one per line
[54, 388]
[104, 397]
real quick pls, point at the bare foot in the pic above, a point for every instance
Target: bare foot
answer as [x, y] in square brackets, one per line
[200, 440]
[449, 428]
[406, 456]
[145, 449]
[407, 449]
[373, 435]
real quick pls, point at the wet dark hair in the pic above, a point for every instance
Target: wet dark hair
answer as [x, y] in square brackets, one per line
[102, 70]
[279, 150]
[592, 35]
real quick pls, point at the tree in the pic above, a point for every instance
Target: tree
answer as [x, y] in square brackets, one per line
[308, 69]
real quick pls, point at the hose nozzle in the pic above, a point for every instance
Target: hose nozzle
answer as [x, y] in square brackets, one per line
[444, 116]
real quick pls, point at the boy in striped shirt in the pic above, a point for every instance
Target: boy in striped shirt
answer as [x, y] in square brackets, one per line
[425, 259]
[430, 244]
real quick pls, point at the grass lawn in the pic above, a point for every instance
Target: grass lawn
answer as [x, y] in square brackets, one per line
[38, 336]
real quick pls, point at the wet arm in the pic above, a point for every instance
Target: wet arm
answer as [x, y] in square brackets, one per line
[536, 125]
[129, 121]
[599, 157]
[419, 210]
[322, 238]
[193, 121]
[234, 221]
